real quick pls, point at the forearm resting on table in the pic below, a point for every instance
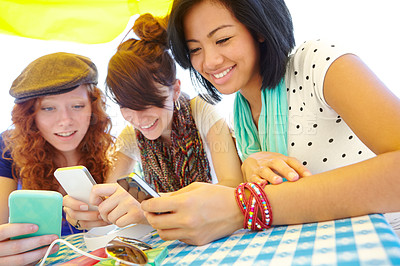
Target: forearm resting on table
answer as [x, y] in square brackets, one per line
[229, 182]
[371, 186]
[225, 158]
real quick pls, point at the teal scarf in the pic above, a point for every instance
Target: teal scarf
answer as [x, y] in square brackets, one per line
[272, 123]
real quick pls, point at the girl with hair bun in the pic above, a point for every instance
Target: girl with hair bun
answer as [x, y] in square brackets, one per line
[177, 140]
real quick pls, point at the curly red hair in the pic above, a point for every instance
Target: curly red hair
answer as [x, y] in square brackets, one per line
[33, 157]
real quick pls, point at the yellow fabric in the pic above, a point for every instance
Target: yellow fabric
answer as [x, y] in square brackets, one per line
[84, 21]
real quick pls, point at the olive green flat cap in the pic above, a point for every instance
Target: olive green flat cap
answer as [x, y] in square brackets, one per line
[53, 74]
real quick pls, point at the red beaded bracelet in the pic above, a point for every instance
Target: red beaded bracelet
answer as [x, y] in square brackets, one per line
[256, 203]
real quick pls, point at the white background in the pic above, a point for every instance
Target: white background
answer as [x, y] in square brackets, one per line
[369, 28]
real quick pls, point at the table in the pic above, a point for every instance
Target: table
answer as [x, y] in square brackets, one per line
[364, 240]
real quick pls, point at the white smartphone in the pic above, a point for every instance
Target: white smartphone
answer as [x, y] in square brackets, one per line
[77, 182]
[134, 183]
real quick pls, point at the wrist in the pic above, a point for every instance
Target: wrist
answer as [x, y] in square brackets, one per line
[238, 216]
[254, 206]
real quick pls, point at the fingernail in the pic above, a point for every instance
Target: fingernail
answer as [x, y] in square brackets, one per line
[34, 227]
[277, 179]
[307, 173]
[55, 248]
[84, 207]
[99, 217]
[293, 176]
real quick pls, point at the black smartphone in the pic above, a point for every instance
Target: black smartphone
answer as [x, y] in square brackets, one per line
[137, 187]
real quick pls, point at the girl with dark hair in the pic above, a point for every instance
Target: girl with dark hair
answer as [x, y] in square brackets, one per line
[59, 120]
[177, 140]
[304, 104]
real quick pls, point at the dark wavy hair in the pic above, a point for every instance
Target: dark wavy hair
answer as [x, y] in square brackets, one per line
[267, 19]
[138, 65]
[33, 157]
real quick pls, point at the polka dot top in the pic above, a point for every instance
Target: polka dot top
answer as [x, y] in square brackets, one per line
[317, 135]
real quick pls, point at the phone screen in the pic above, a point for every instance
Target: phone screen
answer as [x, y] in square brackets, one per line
[137, 187]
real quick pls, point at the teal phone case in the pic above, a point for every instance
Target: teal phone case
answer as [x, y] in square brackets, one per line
[40, 207]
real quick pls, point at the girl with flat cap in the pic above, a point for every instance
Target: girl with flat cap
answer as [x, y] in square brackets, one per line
[59, 120]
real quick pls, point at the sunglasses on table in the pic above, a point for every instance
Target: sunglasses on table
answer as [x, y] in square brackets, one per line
[127, 251]
[123, 250]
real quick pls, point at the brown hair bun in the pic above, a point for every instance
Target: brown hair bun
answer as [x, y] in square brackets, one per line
[151, 29]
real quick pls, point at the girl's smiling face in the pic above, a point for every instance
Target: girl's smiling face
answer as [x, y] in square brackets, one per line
[221, 48]
[155, 122]
[64, 119]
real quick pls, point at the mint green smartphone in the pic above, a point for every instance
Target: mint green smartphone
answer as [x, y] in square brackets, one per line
[41, 207]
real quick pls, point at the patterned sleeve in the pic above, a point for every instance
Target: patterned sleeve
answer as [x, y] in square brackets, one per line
[312, 61]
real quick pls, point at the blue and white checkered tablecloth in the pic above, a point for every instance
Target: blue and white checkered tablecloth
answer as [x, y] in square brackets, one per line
[365, 240]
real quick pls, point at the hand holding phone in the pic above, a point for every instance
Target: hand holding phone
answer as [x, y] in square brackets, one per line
[28, 250]
[77, 182]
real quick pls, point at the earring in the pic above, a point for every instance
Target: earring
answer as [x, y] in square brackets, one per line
[177, 105]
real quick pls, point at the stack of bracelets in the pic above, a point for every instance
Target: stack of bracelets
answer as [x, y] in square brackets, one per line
[253, 206]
